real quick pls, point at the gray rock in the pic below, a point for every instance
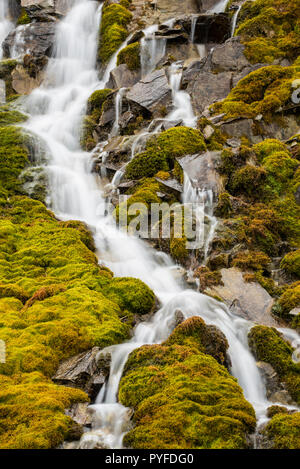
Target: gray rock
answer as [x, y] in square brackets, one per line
[202, 170]
[248, 300]
[80, 413]
[228, 57]
[86, 371]
[40, 10]
[122, 77]
[151, 92]
[35, 38]
[171, 184]
[2, 92]
[205, 88]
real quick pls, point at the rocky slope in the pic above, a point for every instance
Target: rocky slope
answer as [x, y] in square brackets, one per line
[60, 307]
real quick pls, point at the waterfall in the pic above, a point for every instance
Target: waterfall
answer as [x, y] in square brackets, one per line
[220, 7]
[56, 110]
[153, 49]
[181, 99]
[234, 19]
[6, 24]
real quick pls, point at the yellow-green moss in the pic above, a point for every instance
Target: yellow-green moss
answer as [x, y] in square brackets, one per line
[269, 29]
[91, 120]
[32, 411]
[284, 431]
[269, 346]
[291, 263]
[113, 31]
[162, 150]
[23, 18]
[263, 91]
[183, 398]
[130, 56]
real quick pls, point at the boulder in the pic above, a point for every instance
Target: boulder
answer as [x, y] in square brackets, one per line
[34, 38]
[248, 300]
[22, 83]
[80, 413]
[202, 171]
[122, 77]
[87, 371]
[152, 92]
[40, 10]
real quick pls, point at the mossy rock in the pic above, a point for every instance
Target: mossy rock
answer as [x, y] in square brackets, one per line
[268, 346]
[130, 56]
[92, 118]
[183, 398]
[162, 150]
[291, 263]
[113, 31]
[284, 431]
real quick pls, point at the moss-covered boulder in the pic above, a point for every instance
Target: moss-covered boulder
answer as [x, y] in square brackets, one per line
[183, 398]
[283, 431]
[161, 151]
[113, 32]
[91, 120]
[130, 56]
[268, 346]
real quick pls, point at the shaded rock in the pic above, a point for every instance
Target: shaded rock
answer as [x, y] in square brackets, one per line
[35, 38]
[86, 371]
[276, 391]
[248, 300]
[212, 28]
[122, 77]
[201, 170]
[171, 184]
[80, 413]
[228, 57]
[151, 92]
[40, 10]
[2, 92]
[22, 83]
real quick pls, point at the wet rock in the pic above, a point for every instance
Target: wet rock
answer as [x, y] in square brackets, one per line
[202, 170]
[81, 414]
[40, 10]
[276, 391]
[86, 371]
[172, 184]
[152, 92]
[2, 92]
[37, 38]
[228, 57]
[22, 83]
[248, 300]
[122, 77]
[212, 28]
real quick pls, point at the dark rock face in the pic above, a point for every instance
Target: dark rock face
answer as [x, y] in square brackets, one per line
[38, 38]
[151, 92]
[86, 371]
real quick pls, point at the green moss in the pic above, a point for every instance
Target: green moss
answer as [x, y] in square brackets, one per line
[224, 207]
[23, 18]
[131, 294]
[290, 299]
[92, 118]
[182, 397]
[284, 431]
[269, 346]
[115, 18]
[162, 150]
[269, 29]
[253, 260]
[291, 263]
[130, 56]
[249, 180]
[263, 91]
[32, 412]
[208, 278]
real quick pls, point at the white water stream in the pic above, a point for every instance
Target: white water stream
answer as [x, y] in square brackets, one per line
[6, 24]
[57, 108]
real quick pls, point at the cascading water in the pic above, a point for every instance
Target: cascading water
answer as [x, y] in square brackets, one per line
[152, 49]
[56, 109]
[181, 99]
[234, 19]
[6, 25]
[220, 7]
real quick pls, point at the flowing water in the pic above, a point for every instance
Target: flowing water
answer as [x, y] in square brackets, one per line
[234, 19]
[6, 24]
[57, 108]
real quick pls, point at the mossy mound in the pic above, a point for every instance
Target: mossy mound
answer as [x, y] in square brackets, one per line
[6, 68]
[161, 151]
[113, 31]
[182, 397]
[269, 29]
[23, 18]
[264, 91]
[32, 412]
[91, 120]
[130, 56]
[269, 346]
[284, 431]
[291, 263]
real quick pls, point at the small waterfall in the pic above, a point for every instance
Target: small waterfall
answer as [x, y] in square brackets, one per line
[193, 28]
[234, 19]
[183, 109]
[220, 7]
[153, 49]
[118, 109]
[6, 25]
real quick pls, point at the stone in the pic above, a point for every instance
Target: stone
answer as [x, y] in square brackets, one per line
[34, 38]
[248, 300]
[171, 184]
[2, 92]
[208, 132]
[122, 77]
[152, 92]
[80, 413]
[228, 57]
[22, 83]
[87, 371]
[202, 171]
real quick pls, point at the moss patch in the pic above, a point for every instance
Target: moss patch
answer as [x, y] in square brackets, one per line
[130, 56]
